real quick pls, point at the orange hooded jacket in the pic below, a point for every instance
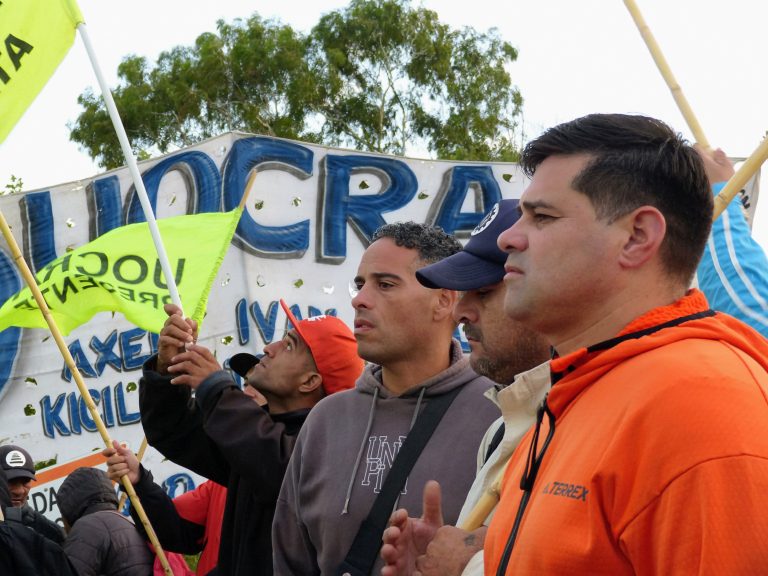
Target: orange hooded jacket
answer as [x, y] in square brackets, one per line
[657, 462]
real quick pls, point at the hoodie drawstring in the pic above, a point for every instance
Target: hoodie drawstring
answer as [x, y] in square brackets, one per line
[416, 412]
[368, 427]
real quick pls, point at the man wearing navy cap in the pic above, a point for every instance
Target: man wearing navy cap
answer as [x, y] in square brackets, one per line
[504, 351]
[19, 469]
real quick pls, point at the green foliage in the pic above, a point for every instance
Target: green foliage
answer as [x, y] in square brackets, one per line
[378, 75]
[14, 185]
[40, 464]
[192, 560]
[251, 76]
[396, 79]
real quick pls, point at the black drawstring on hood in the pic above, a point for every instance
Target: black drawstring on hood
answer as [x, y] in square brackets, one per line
[532, 465]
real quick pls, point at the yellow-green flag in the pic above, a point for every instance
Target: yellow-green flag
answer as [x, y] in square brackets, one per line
[35, 35]
[120, 271]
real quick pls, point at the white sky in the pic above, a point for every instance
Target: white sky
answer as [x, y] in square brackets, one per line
[575, 57]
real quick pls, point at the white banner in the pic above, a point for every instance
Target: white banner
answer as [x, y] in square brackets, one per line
[309, 216]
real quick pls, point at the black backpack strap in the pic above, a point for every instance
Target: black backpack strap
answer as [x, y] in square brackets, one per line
[365, 547]
[495, 441]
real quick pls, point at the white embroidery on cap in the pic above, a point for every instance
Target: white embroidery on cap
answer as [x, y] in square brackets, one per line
[485, 222]
[15, 459]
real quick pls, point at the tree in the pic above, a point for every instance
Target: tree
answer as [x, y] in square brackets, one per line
[378, 75]
[396, 79]
[253, 76]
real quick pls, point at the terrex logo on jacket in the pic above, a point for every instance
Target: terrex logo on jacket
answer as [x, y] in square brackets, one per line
[657, 460]
[573, 491]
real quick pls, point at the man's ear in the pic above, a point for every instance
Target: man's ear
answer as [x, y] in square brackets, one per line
[311, 382]
[444, 303]
[646, 229]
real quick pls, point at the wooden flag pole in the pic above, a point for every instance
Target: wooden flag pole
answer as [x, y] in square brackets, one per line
[248, 186]
[741, 177]
[750, 166]
[485, 504]
[83, 389]
[139, 457]
[666, 72]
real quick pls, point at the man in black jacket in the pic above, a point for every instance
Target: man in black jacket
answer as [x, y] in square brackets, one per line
[23, 551]
[19, 469]
[225, 436]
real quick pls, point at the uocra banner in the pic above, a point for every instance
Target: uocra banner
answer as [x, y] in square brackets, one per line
[308, 217]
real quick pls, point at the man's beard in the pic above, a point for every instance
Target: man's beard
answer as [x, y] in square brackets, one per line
[529, 351]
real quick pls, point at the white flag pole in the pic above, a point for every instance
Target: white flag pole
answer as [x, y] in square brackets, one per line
[149, 214]
[132, 167]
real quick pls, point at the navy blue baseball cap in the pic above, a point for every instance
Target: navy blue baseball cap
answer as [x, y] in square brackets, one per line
[481, 262]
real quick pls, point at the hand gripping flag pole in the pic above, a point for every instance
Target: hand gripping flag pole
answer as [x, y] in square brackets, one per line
[86, 396]
[749, 167]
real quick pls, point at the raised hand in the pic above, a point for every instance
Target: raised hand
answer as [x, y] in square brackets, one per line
[121, 461]
[717, 165]
[177, 333]
[193, 366]
[407, 538]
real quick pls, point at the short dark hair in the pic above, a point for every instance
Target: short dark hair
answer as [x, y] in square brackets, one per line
[432, 242]
[637, 161]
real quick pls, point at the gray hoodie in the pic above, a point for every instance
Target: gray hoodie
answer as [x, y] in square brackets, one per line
[346, 448]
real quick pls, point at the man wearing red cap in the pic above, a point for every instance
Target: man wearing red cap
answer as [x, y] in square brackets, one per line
[225, 436]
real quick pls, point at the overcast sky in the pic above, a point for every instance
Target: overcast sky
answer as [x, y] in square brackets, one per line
[575, 57]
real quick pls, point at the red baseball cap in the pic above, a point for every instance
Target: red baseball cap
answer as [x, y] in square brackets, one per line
[333, 347]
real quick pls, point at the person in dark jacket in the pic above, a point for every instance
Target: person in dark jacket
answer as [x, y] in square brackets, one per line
[23, 551]
[225, 436]
[19, 469]
[187, 524]
[100, 540]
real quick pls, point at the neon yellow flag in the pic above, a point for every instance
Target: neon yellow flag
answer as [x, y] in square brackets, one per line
[35, 35]
[120, 271]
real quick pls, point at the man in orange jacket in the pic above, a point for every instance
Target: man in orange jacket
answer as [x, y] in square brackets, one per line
[650, 453]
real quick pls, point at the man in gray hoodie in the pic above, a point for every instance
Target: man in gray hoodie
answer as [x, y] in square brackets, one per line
[503, 350]
[349, 441]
